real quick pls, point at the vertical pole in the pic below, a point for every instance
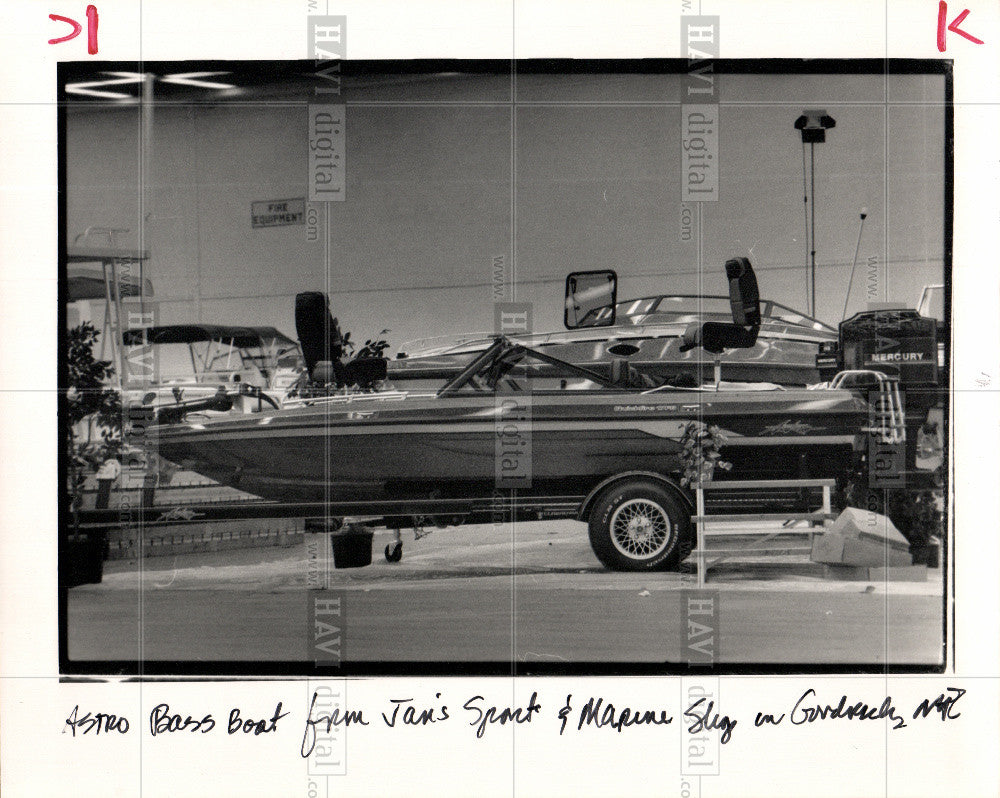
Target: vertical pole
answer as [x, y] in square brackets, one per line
[805, 216]
[145, 153]
[700, 543]
[812, 211]
[854, 263]
[149, 481]
[826, 511]
[110, 329]
[145, 174]
[117, 345]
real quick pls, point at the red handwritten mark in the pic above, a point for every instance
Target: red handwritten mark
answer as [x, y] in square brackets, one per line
[92, 29]
[77, 28]
[953, 27]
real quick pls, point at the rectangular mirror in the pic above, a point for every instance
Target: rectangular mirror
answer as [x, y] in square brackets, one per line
[590, 299]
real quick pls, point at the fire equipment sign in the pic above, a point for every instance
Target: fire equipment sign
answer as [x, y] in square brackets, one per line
[277, 213]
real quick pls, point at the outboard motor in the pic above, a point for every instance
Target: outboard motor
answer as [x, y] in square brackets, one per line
[898, 342]
[908, 347]
[902, 480]
[744, 301]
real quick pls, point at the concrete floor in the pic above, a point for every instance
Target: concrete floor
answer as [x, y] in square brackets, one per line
[534, 594]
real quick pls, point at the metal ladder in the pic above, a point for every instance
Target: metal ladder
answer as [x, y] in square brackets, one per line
[762, 535]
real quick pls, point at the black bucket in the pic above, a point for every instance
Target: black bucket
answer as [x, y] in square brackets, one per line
[352, 549]
[81, 560]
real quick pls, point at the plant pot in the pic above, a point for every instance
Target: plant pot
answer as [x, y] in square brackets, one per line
[352, 549]
[82, 558]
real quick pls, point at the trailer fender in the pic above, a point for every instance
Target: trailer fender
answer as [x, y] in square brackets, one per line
[667, 482]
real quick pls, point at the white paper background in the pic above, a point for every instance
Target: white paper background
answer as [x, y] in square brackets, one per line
[844, 758]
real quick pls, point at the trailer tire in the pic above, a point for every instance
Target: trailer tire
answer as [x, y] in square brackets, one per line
[639, 525]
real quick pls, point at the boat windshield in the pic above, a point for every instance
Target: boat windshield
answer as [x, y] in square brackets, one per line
[687, 308]
[931, 302]
[291, 360]
[506, 362]
[220, 356]
[673, 309]
[174, 362]
[199, 361]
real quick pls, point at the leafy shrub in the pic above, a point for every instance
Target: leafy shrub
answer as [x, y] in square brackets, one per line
[701, 453]
[89, 398]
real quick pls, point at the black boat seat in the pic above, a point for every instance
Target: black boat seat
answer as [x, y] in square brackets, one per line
[744, 302]
[324, 372]
[626, 375]
[319, 334]
[365, 370]
[323, 346]
[359, 371]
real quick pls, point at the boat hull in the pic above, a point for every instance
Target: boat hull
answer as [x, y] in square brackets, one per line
[367, 449]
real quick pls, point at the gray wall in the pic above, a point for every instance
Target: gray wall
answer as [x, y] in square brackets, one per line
[429, 198]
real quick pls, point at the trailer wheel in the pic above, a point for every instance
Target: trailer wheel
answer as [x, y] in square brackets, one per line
[639, 526]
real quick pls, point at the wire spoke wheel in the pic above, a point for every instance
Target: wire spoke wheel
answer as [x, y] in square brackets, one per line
[640, 525]
[640, 528]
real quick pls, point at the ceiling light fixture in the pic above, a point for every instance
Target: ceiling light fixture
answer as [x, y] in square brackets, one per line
[122, 78]
[93, 88]
[189, 79]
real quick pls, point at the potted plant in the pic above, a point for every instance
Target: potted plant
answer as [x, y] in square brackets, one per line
[93, 438]
[701, 453]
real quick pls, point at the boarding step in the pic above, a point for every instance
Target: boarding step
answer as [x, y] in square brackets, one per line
[748, 525]
[754, 551]
[765, 484]
[817, 516]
